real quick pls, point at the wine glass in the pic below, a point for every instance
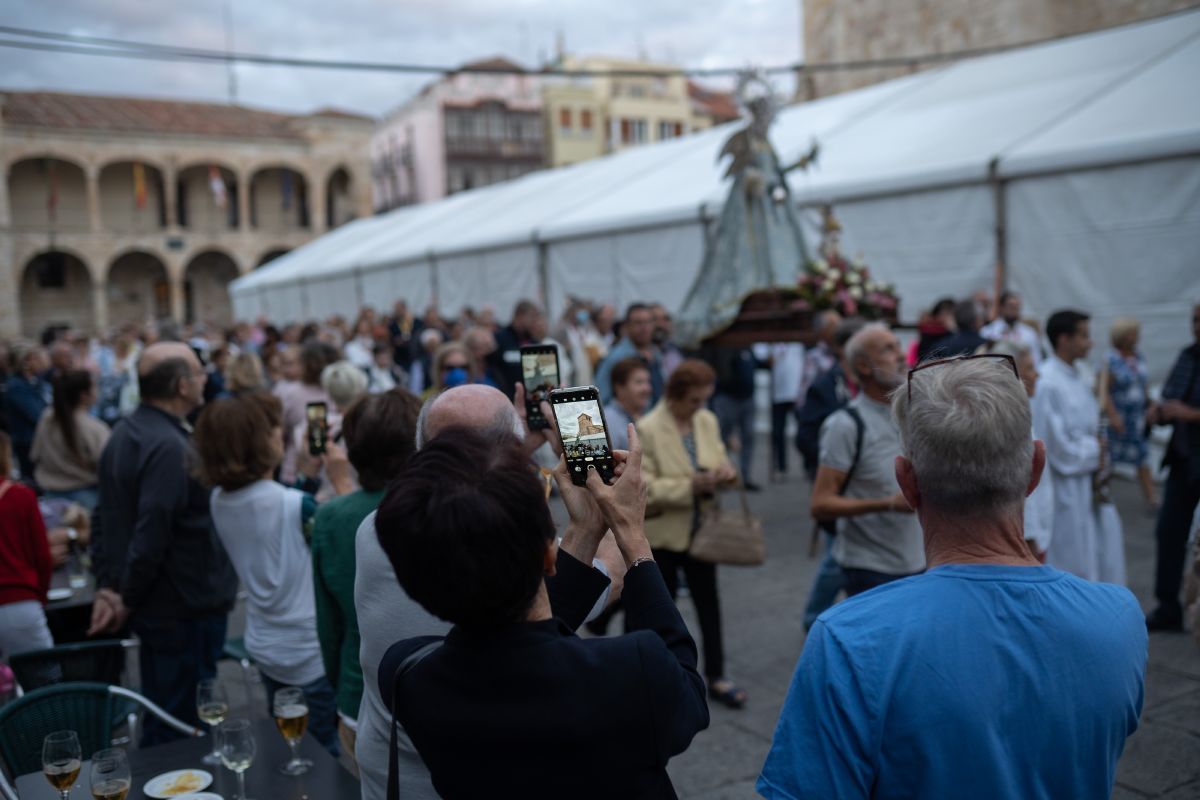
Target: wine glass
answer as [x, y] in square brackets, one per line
[110, 775]
[291, 717]
[61, 759]
[212, 705]
[237, 749]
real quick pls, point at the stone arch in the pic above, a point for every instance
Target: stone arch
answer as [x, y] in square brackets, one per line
[206, 288]
[48, 192]
[339, 197]
[56, 289]
[138, 288]
[202, 206]
[130, 205]
[279, 199]
[271, 255]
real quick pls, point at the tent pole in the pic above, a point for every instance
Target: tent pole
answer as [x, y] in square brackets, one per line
[433, 280]
[543, 270]
[999, 203]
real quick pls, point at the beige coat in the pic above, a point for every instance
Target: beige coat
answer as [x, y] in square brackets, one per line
[668, 473]
[55, 467]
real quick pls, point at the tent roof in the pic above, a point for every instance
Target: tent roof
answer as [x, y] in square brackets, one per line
[1108, 97]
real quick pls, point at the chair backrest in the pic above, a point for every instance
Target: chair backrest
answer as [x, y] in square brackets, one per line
[86, 708]
[101, 661]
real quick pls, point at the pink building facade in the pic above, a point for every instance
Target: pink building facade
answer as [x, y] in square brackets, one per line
[466, 130]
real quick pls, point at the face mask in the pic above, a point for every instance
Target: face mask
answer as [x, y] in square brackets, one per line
[582, 317]
[456, 377]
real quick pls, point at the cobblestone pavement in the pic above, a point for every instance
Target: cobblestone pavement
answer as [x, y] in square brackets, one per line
[763, 639]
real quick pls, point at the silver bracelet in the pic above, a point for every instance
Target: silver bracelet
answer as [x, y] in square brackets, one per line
[643, 560]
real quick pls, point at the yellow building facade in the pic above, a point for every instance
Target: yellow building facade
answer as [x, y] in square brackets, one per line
[590, 116]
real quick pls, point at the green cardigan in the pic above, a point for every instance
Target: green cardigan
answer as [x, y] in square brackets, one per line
[333, 533]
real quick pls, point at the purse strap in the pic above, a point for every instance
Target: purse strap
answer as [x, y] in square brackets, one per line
[393, 782]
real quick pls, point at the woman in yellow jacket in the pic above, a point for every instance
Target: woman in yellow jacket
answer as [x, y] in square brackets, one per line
[684, 461]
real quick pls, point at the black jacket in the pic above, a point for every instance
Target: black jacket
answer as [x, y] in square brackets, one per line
[827, 394]
[963, 343]
[532, 711]
[153, 539]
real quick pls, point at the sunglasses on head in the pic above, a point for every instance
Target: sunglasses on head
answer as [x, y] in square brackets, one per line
[1012, 362]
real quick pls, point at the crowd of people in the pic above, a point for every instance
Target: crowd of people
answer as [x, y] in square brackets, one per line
[404, 571]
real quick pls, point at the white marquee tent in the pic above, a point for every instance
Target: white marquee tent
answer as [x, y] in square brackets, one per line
[1074, 163]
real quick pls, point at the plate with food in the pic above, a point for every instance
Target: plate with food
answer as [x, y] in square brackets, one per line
[180, 783]
[200, 796]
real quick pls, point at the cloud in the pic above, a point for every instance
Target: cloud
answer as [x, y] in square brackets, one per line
[438, 32]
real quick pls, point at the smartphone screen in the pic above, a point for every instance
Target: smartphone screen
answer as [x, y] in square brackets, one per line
[539, 371]
[584, 432]
[318, 427]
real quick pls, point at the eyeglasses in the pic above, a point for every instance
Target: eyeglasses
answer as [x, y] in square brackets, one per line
[1012, 362]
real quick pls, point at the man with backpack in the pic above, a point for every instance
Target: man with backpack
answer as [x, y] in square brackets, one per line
[879, 539]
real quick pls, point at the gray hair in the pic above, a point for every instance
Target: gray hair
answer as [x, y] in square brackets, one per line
[967, 433]
[506, 423]
[343, 382]
[856, 346]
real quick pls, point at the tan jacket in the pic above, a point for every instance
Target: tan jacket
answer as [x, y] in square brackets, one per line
[668, 473]
[55, 467]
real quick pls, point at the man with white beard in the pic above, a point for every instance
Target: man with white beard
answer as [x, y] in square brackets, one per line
[1087, 541]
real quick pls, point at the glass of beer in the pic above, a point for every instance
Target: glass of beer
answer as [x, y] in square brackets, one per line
[291, 717]
[61, 760]
[211, 705]
[237, 749]
[110, 775]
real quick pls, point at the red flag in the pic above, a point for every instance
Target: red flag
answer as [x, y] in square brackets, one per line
[217, 184]
[139, 184]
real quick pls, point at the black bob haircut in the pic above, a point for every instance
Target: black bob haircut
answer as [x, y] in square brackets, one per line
[1063, 323]
[465, 526]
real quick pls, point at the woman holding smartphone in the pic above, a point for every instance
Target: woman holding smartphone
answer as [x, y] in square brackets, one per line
[685, 462]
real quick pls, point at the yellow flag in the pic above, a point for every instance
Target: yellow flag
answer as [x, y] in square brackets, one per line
[139, 184]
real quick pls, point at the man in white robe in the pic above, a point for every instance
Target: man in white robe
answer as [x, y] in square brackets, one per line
[1085, 540]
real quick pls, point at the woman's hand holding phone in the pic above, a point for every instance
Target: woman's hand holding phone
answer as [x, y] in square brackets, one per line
[623, 503]
[536, 438]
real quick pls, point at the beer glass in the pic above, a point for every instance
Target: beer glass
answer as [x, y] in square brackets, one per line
[291, 717]
[237, 749]
[110, 775]
[61, 760]
[211, 705]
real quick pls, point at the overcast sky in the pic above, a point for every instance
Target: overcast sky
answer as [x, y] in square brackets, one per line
[693, 33]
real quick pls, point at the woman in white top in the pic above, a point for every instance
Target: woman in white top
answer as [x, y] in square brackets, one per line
[261, 524]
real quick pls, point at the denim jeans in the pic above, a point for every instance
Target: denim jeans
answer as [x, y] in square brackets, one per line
[779, 444]
[322, 709]
[86, 497]
[736, 416]
[175, 655]
[825, 589]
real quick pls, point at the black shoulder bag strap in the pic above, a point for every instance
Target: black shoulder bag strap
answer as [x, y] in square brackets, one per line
[393, 787]
[830, 526]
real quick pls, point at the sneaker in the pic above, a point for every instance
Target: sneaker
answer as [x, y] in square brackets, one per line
[1162, 620]
[752, 487]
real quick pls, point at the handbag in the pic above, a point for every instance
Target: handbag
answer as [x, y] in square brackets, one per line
[730, 537]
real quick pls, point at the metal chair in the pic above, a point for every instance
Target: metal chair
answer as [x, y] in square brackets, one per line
[100, 661]
[84, 707]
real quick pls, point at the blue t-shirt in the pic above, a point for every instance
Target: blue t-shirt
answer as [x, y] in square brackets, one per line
[972, 681]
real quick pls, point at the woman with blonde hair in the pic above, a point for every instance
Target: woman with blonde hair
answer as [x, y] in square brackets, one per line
[452, 366]
[245, 374]
[1126, 403]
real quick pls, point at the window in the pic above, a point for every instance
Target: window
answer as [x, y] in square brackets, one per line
[669, 130]
[564, 120]
[633, 131]
[585, 121]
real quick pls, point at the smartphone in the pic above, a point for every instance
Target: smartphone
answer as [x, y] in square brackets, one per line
[584, 432]
[318, 427]
[539, 372]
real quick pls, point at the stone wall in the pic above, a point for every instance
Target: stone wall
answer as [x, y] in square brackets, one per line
[853, 30]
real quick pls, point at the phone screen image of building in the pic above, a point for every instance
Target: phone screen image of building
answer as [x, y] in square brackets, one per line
[581, 427]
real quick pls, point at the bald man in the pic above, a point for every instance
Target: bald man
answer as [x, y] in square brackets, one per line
[387, 615]
[158, 566]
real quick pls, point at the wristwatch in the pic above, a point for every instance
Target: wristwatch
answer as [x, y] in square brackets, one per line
[73, 534]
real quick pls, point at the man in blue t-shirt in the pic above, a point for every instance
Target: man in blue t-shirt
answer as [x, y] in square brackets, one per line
[988, 676]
